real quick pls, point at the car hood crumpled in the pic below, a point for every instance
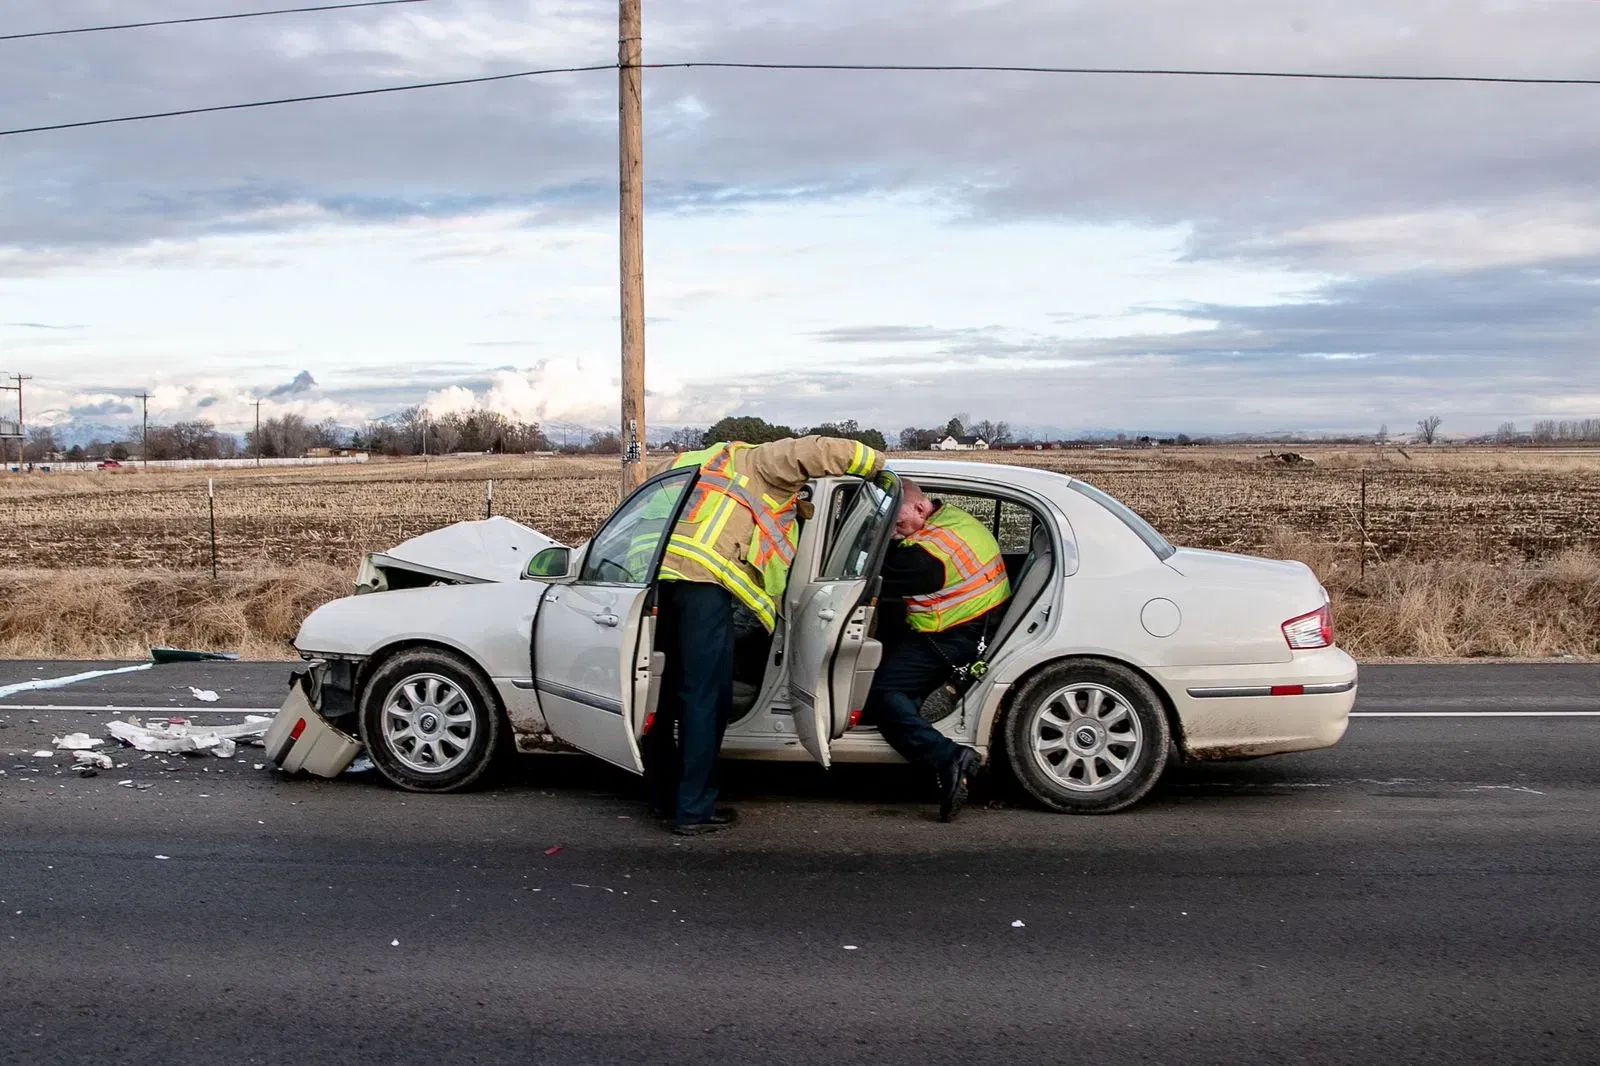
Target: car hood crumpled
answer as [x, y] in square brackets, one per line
[489, 549]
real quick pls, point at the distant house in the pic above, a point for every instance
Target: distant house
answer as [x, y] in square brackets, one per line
[962, 444]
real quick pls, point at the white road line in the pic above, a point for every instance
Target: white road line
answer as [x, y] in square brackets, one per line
[1475, 714]
[71, 679]
[168, 709]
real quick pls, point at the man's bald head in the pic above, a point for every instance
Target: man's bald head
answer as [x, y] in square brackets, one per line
[915, 507]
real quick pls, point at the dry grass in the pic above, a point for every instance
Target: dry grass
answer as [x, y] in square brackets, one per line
[115, 614]
[1481, 552]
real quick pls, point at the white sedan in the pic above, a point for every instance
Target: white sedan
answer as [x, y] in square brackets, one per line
[1117, 655]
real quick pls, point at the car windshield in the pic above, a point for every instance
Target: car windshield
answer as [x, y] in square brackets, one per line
[1145, 531]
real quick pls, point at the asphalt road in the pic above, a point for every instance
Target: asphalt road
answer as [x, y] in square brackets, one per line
[1422, 893]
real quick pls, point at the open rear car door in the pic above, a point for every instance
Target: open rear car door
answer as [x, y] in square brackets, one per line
[593, 661]
[828, 615]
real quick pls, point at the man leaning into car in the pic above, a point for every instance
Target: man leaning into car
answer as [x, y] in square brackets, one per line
[733, 544]
[948, 569]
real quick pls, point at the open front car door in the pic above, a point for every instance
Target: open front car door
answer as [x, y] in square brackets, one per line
[593, 636]
[830, 655]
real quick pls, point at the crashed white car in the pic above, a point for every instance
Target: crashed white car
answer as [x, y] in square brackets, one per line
[1117, 655]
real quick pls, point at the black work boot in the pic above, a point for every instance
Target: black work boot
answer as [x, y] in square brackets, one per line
[953, 783]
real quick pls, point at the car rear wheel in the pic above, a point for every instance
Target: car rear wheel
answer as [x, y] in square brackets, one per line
[429, 721]
[1087, 737]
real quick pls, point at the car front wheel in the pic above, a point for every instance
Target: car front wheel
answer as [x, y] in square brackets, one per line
[429, 721]
[1087, 737]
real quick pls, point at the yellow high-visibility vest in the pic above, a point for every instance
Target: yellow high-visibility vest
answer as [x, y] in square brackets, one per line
[975, 580]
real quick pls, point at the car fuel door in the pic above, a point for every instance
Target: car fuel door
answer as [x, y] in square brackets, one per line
[829, 613]
[593, 637]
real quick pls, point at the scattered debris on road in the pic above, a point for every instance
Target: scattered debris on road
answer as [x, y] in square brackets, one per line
[95, 760]
[76, 742]
[204, 695]
[178, 736]
[44, 755]
[185, 655]
[1019, 924]
[554, 849]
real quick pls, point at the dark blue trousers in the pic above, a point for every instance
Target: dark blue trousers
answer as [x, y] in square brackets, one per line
[914, 667]
[694, 628]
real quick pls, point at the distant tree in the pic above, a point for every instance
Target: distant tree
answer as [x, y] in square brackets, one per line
[746, 428]
[1428, 428]
[41, 444]
[992, 432]
[1506, 434]
[328, 434]
[1182, 438]
[849, 429]
[913, 439]
[75, 454]
[119, 452]
[284, 437]
[954, 428]
[687, 439]
[1382, 436]
[607, 443]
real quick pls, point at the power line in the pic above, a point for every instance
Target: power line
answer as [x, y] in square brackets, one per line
[1161, 71]
[307, 99]
[204, 18]
[887, 67]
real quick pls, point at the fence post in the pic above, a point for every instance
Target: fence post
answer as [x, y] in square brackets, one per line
[488, 500]
[1363, 529]
[211, 506]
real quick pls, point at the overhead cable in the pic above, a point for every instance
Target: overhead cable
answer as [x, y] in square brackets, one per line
[901, 67]
[204, 18]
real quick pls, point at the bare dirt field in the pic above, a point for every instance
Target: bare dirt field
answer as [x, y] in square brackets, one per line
[1475, 552]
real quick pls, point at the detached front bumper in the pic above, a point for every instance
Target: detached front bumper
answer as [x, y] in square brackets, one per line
[302, 740]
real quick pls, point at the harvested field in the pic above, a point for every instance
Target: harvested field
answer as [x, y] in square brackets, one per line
[1472, 552]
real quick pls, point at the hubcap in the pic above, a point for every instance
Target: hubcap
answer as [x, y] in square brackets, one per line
[1086, 737]
[428, 723]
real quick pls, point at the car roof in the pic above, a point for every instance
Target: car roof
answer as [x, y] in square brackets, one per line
[1023, 477]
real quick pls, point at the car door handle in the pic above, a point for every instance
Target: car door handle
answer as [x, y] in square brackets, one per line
[826, 614]
[607, 619]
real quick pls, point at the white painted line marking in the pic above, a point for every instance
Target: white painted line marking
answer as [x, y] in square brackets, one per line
[70, 679]
[165, 711]
[1475, 714]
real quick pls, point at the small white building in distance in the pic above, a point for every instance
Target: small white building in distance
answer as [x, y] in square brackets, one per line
[962, 444]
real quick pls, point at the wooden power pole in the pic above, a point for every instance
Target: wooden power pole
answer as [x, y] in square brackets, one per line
[631, 145]
[144, 447]
[258, 431]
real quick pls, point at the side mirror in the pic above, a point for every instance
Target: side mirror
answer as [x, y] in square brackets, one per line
[549, 563]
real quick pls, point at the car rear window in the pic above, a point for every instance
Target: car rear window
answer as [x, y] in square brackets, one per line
[1145, 531]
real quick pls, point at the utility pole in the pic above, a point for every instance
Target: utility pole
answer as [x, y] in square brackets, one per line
[22, 429]
[144, 446]
[258, 432]
[631, 195]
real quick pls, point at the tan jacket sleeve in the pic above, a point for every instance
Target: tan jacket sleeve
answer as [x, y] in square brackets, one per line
[786, 465]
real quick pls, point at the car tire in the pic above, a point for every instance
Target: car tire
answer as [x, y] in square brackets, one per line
[430, 721]
[1086, 736]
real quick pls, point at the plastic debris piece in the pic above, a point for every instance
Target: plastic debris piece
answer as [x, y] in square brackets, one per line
[163, 856]
[553, 849]
[360, 766]
[1018, 924]
[94, 760]
[44, 755]
[204, 695]
[184, 655]
[76, 742]
[851, 947]
[394, 943]
[189, 739]
[124, 784]
[259, 766]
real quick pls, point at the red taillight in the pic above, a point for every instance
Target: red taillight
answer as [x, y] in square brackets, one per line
[1314, 630]
[299, 727]
[855, 716]
[649, 720]
[1288, 690]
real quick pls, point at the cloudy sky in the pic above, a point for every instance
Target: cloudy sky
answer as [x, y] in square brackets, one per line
[1054, 250]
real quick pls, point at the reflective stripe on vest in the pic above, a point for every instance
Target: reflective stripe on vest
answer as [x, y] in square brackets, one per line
[975, 574]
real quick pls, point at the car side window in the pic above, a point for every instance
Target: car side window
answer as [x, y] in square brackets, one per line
[625, 550]
[1016, 528]
[859, 513]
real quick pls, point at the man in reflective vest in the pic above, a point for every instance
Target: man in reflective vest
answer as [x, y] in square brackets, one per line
[733, 544]
[948, 570]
